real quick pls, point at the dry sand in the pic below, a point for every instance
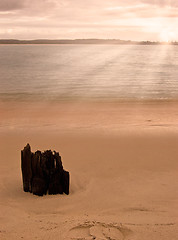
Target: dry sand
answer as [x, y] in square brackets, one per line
[123, 161]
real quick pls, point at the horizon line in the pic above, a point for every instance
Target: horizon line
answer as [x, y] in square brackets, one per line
[88, 39]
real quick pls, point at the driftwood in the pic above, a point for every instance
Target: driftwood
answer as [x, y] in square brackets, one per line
[42, 172]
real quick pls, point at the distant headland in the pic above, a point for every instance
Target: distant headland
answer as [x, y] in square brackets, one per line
[85, 41]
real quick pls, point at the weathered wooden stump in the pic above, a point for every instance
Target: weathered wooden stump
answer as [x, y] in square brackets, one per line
[42, 172]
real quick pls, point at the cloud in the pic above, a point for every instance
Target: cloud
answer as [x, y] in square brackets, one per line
[141, 10]
[8, 5]
[82, 18]
[35, 6]
[162, 3]
[159, 3]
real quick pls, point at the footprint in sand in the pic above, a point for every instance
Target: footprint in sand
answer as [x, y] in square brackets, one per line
[97, 231]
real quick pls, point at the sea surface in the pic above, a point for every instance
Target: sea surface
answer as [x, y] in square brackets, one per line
[88, 72]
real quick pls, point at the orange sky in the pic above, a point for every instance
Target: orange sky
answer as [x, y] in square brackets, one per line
[60, 19]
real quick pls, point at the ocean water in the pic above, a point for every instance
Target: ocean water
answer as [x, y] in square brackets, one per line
[88, 72]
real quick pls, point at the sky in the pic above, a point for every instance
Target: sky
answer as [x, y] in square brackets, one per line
[152, 20]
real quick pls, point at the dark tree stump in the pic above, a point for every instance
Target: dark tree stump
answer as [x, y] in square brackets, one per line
[65, 182]
[55, 184]
[43, 172]
[39, 186]
[26, 162]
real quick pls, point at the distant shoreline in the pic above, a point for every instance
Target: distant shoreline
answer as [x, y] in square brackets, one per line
[85, 41]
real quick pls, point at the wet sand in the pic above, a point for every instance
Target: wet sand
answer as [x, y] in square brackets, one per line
[122, 158]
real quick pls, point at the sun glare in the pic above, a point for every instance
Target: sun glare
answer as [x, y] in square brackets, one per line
[167, 36]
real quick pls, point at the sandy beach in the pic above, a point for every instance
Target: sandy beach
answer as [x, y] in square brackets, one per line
[122, 159]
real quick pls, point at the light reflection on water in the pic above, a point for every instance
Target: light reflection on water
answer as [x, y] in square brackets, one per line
[62, 72]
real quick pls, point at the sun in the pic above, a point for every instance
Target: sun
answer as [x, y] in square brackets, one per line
[167, 36]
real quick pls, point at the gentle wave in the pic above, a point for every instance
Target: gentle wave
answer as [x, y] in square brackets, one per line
[88, 72]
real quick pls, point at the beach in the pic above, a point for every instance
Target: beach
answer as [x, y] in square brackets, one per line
[96, 82]
[122, 158]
